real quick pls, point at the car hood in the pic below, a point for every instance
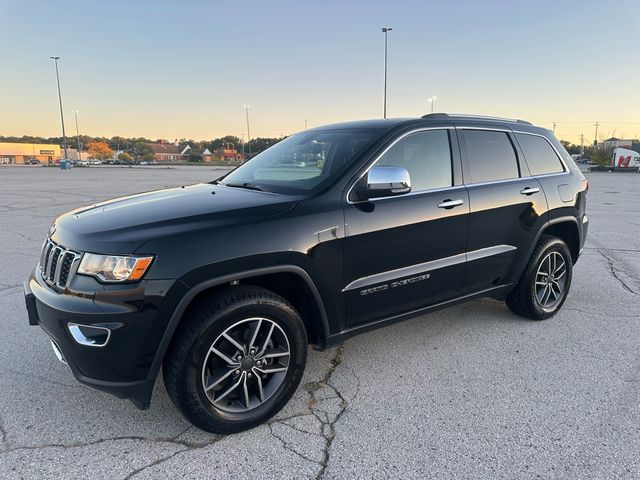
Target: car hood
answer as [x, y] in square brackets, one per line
[123, 224]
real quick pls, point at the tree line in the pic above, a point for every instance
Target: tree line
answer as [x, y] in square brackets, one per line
[137, 147]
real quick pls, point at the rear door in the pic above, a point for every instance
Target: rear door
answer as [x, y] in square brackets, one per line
[408, 251]
[506, 206]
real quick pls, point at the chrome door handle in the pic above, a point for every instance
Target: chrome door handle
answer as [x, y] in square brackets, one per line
[529, 190]
[450, 203]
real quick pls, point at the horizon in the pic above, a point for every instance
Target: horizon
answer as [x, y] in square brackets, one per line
[169, 76]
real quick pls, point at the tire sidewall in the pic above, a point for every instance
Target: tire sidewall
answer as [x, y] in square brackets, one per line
[551, 245]
[287, 319]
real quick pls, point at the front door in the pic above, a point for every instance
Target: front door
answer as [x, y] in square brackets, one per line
[408, 251]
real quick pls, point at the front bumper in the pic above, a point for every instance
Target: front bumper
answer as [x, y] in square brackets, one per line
[135, 316]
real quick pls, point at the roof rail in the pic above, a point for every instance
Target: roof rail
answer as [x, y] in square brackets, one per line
[475, 117]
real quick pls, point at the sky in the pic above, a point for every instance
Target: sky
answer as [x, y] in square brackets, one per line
[184, 69]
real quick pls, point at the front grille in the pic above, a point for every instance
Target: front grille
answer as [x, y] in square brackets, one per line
[56, 263]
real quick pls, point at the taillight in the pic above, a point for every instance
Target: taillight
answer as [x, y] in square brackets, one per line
[585, 185]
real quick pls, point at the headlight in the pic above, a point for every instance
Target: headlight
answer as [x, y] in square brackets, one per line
[113, 268]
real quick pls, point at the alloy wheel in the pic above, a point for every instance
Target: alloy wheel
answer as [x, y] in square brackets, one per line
[245, 365]
[550, 280]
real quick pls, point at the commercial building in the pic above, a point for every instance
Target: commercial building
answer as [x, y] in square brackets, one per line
[22, 153]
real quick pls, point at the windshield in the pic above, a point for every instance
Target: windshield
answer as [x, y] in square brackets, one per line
[302, 162]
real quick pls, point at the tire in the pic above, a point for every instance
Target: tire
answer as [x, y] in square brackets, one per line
[203, 354]
[528, 297]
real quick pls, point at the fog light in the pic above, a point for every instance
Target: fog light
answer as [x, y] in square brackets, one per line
[89, 336]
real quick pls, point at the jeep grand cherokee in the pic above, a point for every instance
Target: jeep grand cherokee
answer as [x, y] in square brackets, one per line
[331, 232]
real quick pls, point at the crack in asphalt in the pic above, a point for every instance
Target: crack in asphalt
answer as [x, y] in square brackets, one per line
[3, 436]
[327, 425]
[565, 309]
[65, 446]
[194, 446]
[615, 272]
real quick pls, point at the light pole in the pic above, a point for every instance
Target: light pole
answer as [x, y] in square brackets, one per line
[385, 30]
[246, 111]
[305, 124]
[64, 135]
[75, 112]
[432, 101]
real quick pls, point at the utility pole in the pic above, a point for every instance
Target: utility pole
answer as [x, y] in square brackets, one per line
[305, 124]
[246, 111]
[78, 137]
[385, 30]
[554, 128]
[595, 139]
[581, 144]
[64, 135]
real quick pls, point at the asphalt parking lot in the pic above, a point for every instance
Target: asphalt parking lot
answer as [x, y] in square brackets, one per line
[468, 392]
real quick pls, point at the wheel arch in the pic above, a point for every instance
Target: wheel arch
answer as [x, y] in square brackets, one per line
[315, 317]
[567, 229]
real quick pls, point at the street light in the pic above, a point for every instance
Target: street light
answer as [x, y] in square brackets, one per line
[246, 111]
[64, 135]
[75, 112]
[385, 30]
[432, 101]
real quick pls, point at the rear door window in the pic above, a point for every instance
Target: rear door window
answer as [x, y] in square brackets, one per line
[490, 156]
[539, 154]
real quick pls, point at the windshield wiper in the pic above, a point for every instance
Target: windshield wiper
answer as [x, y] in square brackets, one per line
[247, 185]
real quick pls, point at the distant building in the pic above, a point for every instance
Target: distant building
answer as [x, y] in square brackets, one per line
[21, 153]
[168, 152]
[174, 152]
[226, 154]
[614, 142]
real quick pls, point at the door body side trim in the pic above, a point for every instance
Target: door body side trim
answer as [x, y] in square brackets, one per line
[425, 267]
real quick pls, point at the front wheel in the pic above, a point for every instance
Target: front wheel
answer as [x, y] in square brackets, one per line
[236, 360]
[545, 283]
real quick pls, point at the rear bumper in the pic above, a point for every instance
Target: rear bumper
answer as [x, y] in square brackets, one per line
[134, 318]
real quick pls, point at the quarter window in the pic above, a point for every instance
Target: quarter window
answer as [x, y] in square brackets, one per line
[540, 156]
[426, 156]
[490, 156]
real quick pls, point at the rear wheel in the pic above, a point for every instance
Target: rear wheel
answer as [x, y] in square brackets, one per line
[545, 283]
[237, 360]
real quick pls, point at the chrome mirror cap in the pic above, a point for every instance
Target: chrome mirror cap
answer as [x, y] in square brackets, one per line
[386, 182]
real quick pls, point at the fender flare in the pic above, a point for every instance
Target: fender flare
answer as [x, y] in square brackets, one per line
[196, 289]
[541, 231]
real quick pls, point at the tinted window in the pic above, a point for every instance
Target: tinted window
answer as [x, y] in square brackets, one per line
[540, 156]
[490, 156]
[426, 156]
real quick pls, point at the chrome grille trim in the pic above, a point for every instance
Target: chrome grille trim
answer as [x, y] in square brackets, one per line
[56, 264]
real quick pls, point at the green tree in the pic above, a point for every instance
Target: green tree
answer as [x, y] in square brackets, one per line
[194, 157]
[602, 156]
[570, 147]
[140, 149]
[125, 157]
[148, 157]
[257, 145]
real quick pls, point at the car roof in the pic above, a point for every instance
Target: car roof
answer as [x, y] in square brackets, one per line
[435, 118]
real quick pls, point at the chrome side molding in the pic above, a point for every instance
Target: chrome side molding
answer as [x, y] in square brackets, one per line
[426, 267]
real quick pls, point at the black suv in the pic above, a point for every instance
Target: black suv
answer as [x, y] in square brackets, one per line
[331, 232]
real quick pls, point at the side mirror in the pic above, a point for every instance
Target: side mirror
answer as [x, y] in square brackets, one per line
[385, 182]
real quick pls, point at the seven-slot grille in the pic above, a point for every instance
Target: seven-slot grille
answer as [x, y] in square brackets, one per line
[55, 263]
